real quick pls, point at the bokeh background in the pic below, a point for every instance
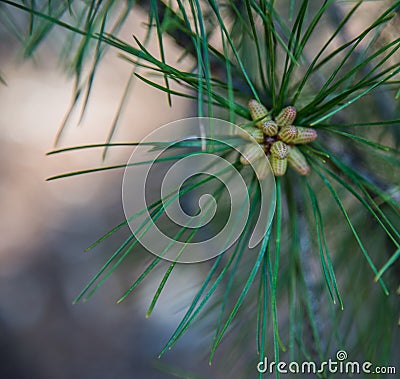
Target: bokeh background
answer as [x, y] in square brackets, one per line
[45, 226]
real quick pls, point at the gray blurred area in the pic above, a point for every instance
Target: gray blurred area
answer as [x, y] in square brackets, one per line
[45, 227]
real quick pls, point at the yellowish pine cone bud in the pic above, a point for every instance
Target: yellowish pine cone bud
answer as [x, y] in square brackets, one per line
[297, 161]
[279, 149]
[270, 128]
[305, 135]
[288, 134]
[278, 165]
[286, 116]
[258, 112]
[250, 154]
[256, 133]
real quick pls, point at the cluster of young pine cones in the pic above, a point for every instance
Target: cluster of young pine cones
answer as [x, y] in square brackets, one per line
[278, 138]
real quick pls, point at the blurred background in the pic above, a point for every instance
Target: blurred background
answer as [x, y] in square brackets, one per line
[45, 226]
